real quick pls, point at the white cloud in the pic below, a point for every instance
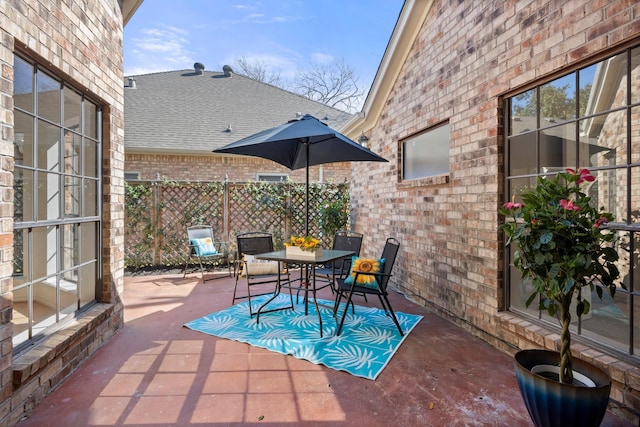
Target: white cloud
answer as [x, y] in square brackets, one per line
[322, 58]
[166, 47]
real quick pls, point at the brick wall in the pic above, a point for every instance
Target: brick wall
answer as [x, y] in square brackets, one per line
[82, 42]
[467, 55]
[214, 168]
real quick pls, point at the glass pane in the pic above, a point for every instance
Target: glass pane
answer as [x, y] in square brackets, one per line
[72, 143]
[23, 140]
[635, 75]
[70, 246]
[628, 262]
[87, 283]
[634, 286]
[558, 148]
[520, 289]
[90, 119]
[518, 186]
[68, 293]
[19, 267]
[48, 98]
[48, 146]
[522, 154]
[635, 195]
[523, 112]
[44, 253]
[23, 209]
[558, 100]
[23, 84]
[88, 244]
[48, 196]
[72, 196]
[44, 305]
[90, 158]
[586, 94]
[635, 135]
[603, 86]
[90, 197]
[603, 140]
[21, 315]
[608, 320]
[426, 154]
[609, 192]
[72, 109]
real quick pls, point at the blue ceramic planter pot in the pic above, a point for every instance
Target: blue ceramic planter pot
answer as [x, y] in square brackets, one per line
[551, 403]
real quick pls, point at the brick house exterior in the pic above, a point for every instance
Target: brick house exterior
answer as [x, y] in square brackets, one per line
[175, 119]
[457, 62]
[209, 167]
[79, 43]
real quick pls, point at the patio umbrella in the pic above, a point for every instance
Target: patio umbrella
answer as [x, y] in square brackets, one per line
[301, 143]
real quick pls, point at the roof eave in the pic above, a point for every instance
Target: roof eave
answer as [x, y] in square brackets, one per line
[129, 7]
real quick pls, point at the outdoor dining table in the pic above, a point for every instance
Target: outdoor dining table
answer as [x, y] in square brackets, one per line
[307, 280]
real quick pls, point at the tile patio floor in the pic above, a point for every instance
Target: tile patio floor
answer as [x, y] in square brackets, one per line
[155, 372]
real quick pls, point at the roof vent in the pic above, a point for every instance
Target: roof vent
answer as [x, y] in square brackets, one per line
[228, 71]
[199, 67]
[132, 83]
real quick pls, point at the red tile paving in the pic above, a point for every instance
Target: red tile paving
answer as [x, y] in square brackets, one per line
[155, 372]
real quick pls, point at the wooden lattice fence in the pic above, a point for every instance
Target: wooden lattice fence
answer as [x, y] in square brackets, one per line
[158, 212]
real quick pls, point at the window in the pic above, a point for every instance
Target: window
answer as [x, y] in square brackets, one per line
[272, 177]
[57, 181]
[589, 118]
[131, 176]
[426, 154]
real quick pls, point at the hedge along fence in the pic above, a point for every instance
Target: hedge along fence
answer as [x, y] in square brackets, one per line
[157, 214]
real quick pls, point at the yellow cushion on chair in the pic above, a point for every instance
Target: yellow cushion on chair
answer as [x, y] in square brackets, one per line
[365, 265]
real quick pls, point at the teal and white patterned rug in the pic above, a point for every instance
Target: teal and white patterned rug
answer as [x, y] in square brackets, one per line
[368, 340]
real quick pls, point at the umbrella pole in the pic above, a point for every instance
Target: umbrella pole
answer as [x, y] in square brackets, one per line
[306, 221]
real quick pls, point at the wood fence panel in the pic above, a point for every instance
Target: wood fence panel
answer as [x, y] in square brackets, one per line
[157, 214]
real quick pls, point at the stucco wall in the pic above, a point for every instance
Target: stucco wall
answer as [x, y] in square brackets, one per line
[467, 56]
[81, 41]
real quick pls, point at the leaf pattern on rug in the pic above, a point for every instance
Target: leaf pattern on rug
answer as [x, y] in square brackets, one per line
[368, 341]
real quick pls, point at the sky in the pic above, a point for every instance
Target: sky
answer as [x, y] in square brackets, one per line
[283, 35]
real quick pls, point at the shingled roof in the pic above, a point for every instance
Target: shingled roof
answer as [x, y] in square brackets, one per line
[188, 112]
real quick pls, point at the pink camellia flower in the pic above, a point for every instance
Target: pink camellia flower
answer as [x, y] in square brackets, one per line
[599, 222]
[512, 205]
[569, 205]
[585, 175]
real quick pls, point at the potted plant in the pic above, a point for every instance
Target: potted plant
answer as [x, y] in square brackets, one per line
[305, 247]
[563, 248]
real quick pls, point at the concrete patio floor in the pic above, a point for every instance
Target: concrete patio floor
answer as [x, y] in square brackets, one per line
[155, 372]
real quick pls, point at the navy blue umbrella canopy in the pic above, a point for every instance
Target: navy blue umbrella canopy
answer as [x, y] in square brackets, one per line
[301, 143]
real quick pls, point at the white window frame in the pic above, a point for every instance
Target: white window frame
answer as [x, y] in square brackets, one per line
[260, 177]
[426, 154]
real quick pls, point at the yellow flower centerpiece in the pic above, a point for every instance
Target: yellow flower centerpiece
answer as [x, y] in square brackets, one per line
[306, 247]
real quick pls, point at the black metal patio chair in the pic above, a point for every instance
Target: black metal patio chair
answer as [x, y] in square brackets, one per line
[369, 282]
[256, 272]
[343, 240]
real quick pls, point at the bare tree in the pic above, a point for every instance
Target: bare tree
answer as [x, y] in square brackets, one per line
[334, 84]
[259, 71]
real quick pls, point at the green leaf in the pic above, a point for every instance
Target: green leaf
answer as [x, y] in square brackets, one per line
[530, 299]
[546, 237]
